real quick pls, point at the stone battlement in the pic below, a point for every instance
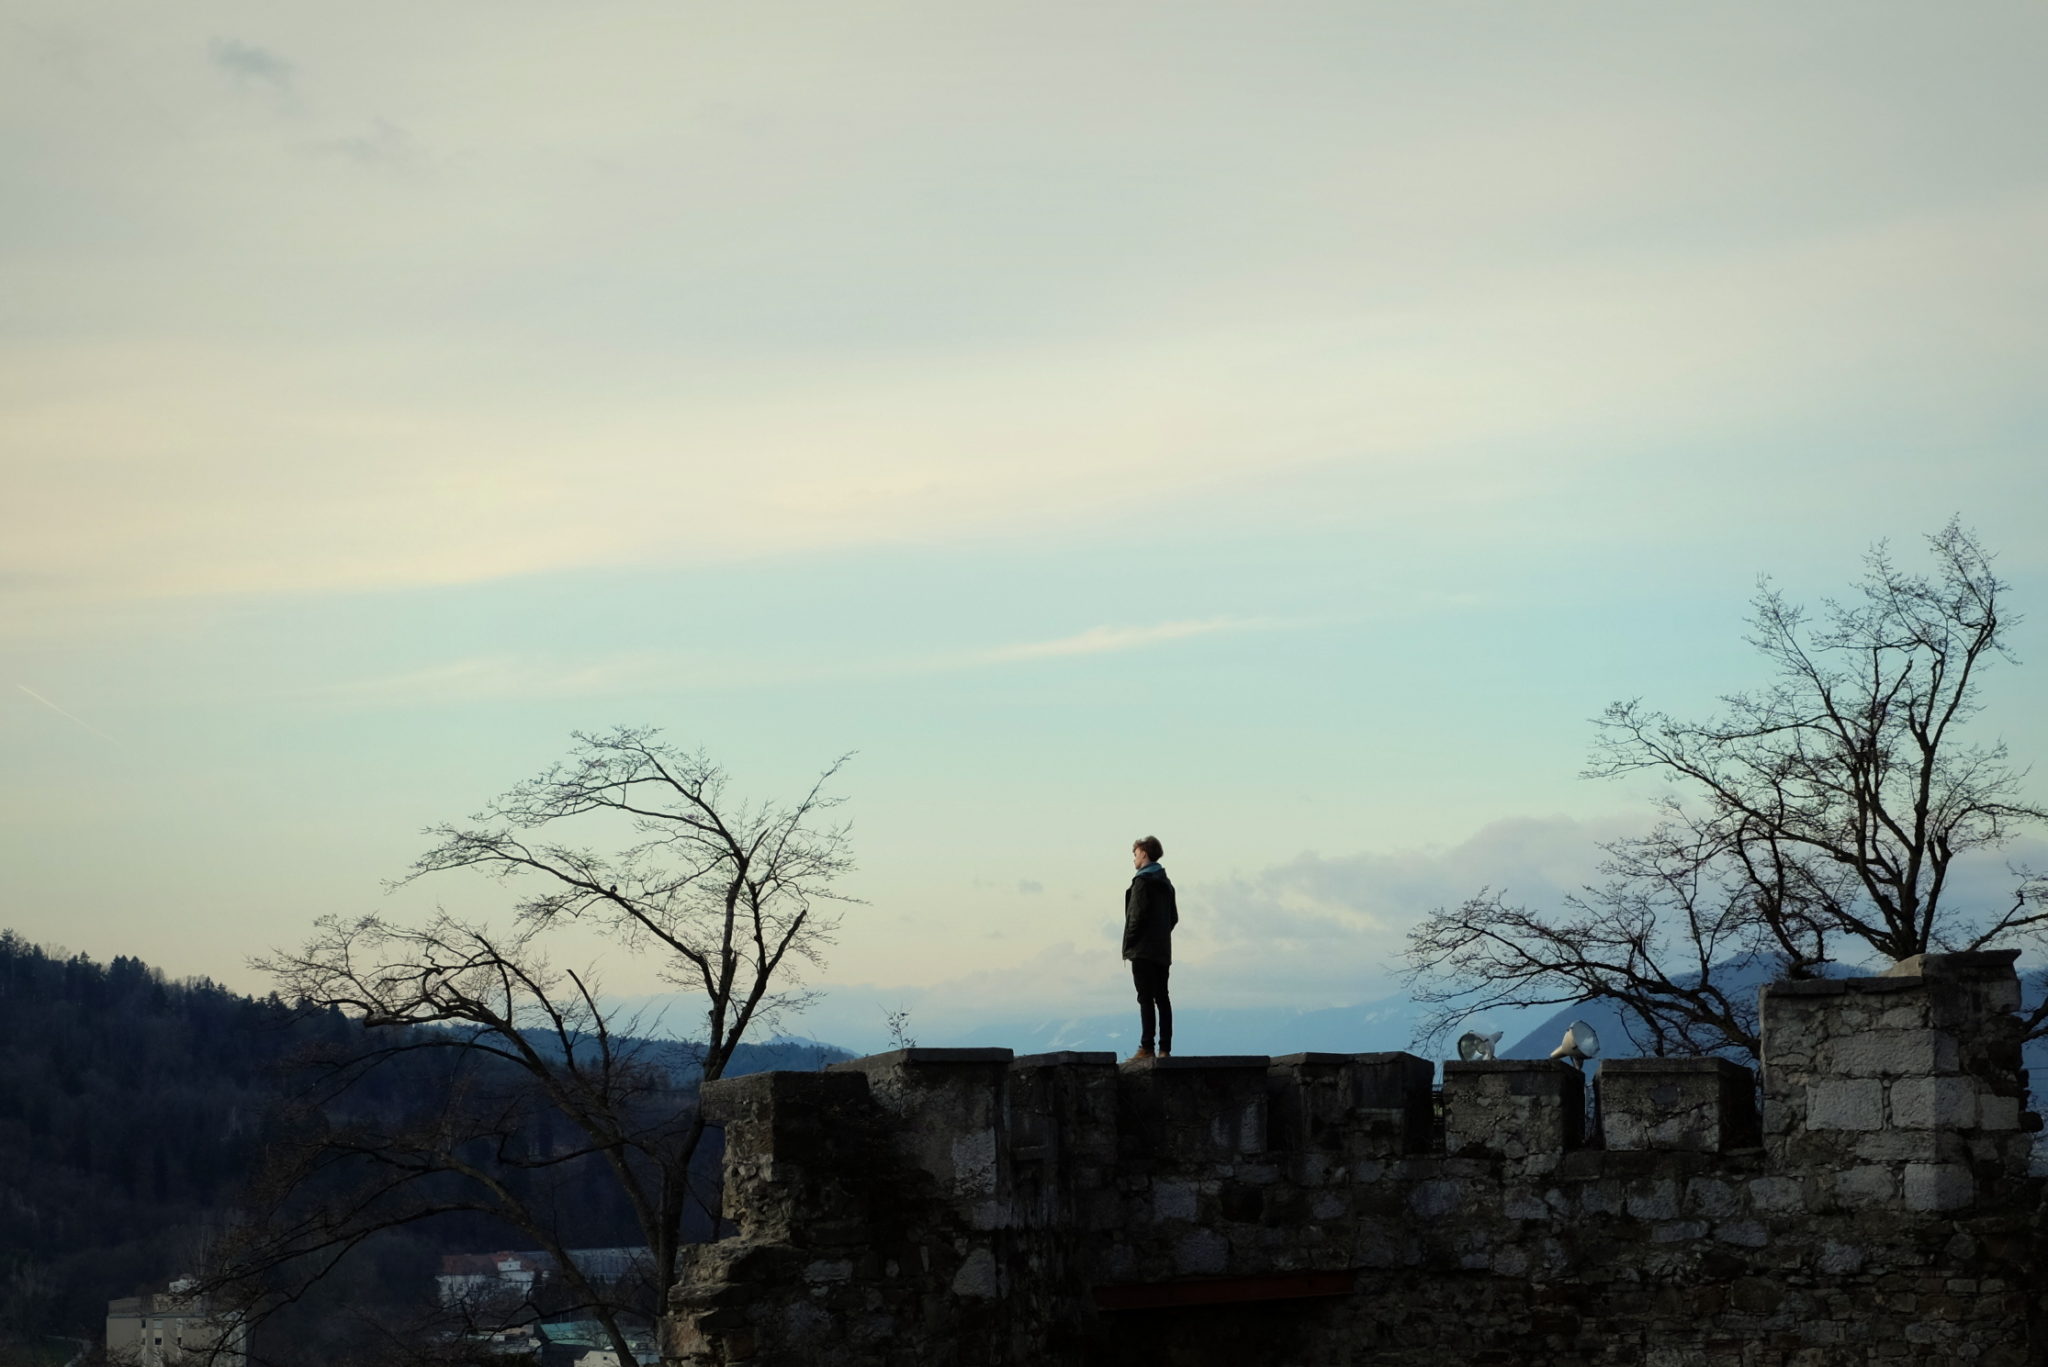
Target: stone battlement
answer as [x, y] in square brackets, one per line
[964, 1205]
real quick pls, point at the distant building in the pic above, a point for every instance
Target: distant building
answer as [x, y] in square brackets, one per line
[162, 1328]
[472, 1278]
[477, 1278]
[584, 1343]
[512, 1341]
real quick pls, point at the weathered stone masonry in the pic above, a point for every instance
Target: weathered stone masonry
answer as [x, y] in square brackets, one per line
[941, 1207]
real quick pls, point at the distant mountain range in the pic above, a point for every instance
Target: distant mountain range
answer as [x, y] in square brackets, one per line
[1385, 1024]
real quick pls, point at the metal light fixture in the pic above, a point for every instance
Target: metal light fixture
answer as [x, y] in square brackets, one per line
[1581, 1042]
[1474, 1047]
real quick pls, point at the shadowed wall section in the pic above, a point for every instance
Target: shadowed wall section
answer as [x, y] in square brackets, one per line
[964, 1206]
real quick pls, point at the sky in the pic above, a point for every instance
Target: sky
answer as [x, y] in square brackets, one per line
[1278, 428]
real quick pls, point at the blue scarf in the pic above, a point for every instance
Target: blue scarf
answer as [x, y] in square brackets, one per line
[1150, 868]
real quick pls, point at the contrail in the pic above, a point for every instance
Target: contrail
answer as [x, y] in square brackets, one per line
[62, 713]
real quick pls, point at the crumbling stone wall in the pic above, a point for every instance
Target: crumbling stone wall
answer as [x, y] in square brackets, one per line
[962, 1206]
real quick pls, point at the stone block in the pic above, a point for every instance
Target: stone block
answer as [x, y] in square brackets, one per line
[1898, 1146]
[1653, 1200]
[1889, 1053]
[1839, 1259]
[1867, 1185]
[1436, 1199]
[1795, 1025]
[1677, 1231]
[1174, 1200]
[1925, 1103]
[1602, 1198]
[1711, 1197]
[1702, 1104]
[1777, 1194]
[1513, 1108]
[1201, 1253]
[1784, 1115]
[1510, 1262]
[979, 1276]
[1845, 1104]
[1998, 1112]
[1938, 1186]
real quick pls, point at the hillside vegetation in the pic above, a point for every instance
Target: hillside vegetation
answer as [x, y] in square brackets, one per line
[134, 1107]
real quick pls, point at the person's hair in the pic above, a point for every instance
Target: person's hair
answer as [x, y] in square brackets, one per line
[1151, 846]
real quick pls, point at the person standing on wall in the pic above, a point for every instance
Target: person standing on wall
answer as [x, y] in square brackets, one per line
[1150, 914]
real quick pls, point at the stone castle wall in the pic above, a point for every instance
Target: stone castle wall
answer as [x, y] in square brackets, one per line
[966, 1207]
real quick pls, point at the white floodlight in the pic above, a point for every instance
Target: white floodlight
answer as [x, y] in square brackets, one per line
[1474, 1047]
[1581, 1042]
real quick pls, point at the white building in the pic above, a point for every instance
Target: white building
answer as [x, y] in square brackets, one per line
[174, 1326]
[475, 1279]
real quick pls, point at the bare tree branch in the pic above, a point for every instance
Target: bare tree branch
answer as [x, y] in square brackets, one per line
[1825, 809]
[720, 895]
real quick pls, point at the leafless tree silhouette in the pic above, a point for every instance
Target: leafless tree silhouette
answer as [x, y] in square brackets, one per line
[727, 899]
[1821, 812]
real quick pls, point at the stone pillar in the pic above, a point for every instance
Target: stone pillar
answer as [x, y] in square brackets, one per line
[950, 1114]
[1062, 1127]
[1194, 1111]
[1344, 1107]
[1062, 1131]
[806, 1183]
[1904, 1089]
[1703, 1104]
[1192, 1163]
[1519, 1109]
[791, 1155]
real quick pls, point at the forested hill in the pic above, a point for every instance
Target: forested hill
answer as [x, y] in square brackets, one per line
[131, 1106]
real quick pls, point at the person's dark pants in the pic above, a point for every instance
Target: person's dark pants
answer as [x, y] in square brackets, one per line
[1149, 975]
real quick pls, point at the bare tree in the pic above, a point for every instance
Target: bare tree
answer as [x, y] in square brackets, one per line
[1823, 812]
[726, 900]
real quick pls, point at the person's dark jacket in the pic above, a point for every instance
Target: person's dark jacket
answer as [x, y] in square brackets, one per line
[1150, 914]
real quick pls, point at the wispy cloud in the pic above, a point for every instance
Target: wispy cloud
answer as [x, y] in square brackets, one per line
[248, 63]
[1103, 640]
[1660, 274]
[62, 713]
[507, 676]
[383, 144]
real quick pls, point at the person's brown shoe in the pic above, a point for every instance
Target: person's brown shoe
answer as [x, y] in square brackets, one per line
[1142, 1056]
[1166, 1053]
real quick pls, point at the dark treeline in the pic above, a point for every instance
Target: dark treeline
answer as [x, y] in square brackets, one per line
[130, 1107]
[136, 1110]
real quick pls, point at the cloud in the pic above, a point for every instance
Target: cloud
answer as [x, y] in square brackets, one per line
[384, 144]
[942, 306]
[1330, 931]
[1307, 933]
[246, 62]
[508, 676]
[1102, 640]
[486, 678]
[496, 473]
